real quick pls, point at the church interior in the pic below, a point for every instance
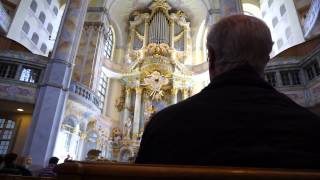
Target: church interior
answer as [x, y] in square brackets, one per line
[84, 75]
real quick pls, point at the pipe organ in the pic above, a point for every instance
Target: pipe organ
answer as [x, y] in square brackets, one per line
[159, 42]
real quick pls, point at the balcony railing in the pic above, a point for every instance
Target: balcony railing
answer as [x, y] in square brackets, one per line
[85, 93]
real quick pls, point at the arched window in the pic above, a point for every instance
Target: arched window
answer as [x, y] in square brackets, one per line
[42, 17]
[35, 38]
[108, 45]
[34, 6]
[50, 28]
[68, 126]
[43, 48]
[26, 27]
[49, 1]
[102, 88]
[55, 10]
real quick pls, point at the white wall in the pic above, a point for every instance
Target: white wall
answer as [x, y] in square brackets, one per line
[24, 13]
[289, 22]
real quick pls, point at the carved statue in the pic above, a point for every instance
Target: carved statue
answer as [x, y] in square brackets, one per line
[127, 128]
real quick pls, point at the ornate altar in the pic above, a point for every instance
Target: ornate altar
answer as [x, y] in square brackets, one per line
[159, 44]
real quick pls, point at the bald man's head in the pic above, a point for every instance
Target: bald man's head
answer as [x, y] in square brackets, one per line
[237, 40]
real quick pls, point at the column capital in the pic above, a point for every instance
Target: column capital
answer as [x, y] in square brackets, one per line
[174, 91]
[139, 90]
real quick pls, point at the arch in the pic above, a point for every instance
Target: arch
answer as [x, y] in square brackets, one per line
[125, 154]
[34, 6]
[55, 10]
[50, 28]
[49, 1]
[35, 38]
[42, 17]
[43, 48]
[26, 27]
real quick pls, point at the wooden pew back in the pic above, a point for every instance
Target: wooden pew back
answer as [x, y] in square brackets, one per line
[104, 171]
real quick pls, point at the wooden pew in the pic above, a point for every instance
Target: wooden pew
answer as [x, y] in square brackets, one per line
[17, 177]
[104, 171]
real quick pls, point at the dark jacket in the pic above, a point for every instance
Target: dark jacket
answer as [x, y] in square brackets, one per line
[237, 120]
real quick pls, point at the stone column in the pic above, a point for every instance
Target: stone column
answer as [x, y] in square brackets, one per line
[82, 138]
[185, 93]
[137, 112]
[172, 34]
[229, 7]
[174, 98]
[127, 104]
[146, 33]
[53, 92]
[278, 79]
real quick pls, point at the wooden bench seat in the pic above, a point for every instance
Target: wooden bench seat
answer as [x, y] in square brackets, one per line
[104, 171]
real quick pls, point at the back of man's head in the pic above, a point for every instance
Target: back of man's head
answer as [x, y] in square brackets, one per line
[53, 160]
[10, 158]
[236, 40]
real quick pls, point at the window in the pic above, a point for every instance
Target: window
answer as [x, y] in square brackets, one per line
[285, 78]
[295, 78]
[30, 75]
[312, 70]
[310, 73]
[26, 27]
[49, 1]
[102, 88]
[34, 6]
[279, 43]
[274, 22]
[43, 48]
[8, 70]
[42, 17]
[35, 38]
[69, 128]
[291, 77]
[270, 3]
[288, 32]
[7, 132]
[271, 78]
[263, 13]
[108, 43]
[283, 10]
[55, 10]
[50, 28]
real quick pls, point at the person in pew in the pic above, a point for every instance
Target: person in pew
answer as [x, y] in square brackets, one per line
[11, 167]
[49, 171]
[238, 119]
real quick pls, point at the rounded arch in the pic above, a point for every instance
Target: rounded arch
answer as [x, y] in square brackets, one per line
[125, 154]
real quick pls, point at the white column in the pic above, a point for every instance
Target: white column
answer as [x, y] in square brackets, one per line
[185, 93]
[174, 98]
[146, 33]
[172, 34]
[53, 92]
[127, 104]
[137, 112]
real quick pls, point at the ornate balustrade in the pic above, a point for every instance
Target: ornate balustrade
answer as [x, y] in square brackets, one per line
[84, 94]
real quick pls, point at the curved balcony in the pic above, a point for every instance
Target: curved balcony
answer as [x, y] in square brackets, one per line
[84, 95]
[20, 74]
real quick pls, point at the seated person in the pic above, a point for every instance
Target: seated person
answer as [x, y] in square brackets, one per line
[10, 166]
[238, 119]
[49, 171]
